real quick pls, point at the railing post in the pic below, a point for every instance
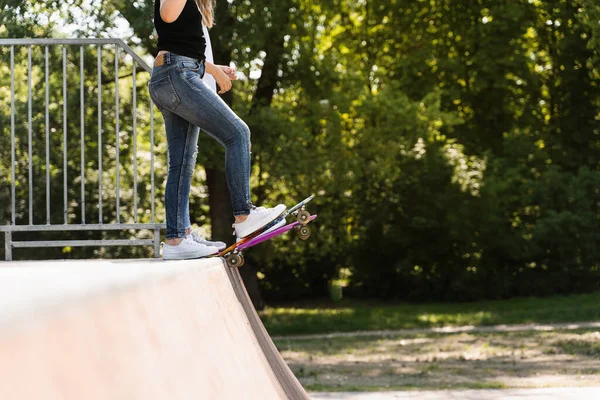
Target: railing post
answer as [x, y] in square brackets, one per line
[99, 66]
[8, 246]
[30, 133]
[117, 136]
[65, 141]
[12, 137]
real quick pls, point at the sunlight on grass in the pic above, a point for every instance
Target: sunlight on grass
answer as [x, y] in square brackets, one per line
[324, 312]
[364, 316]
[475, 318]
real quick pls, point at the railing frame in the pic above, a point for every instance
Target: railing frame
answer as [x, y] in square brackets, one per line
[66, 226]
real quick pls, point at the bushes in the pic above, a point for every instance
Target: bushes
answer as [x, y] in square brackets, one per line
[414, 217]
[530, 231]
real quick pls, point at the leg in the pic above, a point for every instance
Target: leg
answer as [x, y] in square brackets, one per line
[182, 147]
[184, 92]
[205, 109]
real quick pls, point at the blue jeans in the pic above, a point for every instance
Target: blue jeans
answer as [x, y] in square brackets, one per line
[188, 105]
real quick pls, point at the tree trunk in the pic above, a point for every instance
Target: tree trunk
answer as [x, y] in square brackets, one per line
[269, 78]
[220, 205]
[218, 192]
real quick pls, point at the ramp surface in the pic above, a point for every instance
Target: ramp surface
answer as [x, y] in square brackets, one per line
[143, 329]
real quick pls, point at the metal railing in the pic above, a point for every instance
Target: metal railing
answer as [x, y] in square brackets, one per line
[44, 169]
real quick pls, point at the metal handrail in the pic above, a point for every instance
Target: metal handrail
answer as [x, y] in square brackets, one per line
[50, 42]
[13, 227]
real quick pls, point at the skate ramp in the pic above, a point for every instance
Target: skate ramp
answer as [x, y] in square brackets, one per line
[144, 329]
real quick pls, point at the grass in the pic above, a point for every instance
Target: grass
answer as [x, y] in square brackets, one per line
[407, 387]
[348, 316]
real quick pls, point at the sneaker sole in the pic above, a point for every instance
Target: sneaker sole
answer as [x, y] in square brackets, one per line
[189, 256]
[276, 226]
[221, 248]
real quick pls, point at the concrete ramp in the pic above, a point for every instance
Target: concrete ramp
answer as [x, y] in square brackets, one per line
[144, 329]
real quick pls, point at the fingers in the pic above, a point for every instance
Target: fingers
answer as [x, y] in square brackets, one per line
[225, 86]
[230, 72]
[225, 78]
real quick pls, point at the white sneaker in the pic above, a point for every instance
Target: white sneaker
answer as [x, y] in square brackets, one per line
[187, 249]
[199, 239]
[258, 218]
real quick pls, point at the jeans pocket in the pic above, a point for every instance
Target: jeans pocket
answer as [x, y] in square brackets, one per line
[163, 92]
[189, 66]
[191, 69]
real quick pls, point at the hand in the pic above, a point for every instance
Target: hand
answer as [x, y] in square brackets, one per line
[229, 71]
[223, 80]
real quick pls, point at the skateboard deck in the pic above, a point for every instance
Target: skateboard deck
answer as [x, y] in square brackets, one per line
[266, 236]
[233, 255]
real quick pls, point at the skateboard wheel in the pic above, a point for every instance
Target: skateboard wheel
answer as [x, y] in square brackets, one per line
[234, 260]
[303, 217]
[304, 232]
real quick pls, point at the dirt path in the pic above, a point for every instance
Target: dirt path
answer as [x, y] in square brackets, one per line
[565, 355]
[510, 394]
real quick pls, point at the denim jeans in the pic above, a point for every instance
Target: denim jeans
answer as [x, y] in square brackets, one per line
[188, 105]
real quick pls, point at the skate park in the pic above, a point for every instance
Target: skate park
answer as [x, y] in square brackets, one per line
[455, 253]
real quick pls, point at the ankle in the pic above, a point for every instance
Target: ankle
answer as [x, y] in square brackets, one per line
[173, 242]
[240, 218]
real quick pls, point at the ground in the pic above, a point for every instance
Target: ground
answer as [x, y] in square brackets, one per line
[561, 358]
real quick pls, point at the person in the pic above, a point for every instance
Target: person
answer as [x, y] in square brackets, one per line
[188, 105]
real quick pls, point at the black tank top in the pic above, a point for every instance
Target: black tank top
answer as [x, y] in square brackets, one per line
[184, 36]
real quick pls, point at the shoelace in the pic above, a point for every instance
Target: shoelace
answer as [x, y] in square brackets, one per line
[259, 210]
[197, 238]
[191, 240]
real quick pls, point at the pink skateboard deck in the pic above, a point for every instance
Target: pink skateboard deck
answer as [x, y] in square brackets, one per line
[235, 258]
[266, 236]
[233, 254]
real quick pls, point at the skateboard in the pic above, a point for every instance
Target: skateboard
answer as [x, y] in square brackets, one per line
[233, 254]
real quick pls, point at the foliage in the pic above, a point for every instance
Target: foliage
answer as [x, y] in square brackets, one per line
[454, 146]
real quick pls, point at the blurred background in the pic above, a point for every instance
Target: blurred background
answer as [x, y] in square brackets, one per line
[453, 147]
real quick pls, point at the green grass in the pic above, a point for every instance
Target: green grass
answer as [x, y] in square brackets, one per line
[349, 316]
[388, 388]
